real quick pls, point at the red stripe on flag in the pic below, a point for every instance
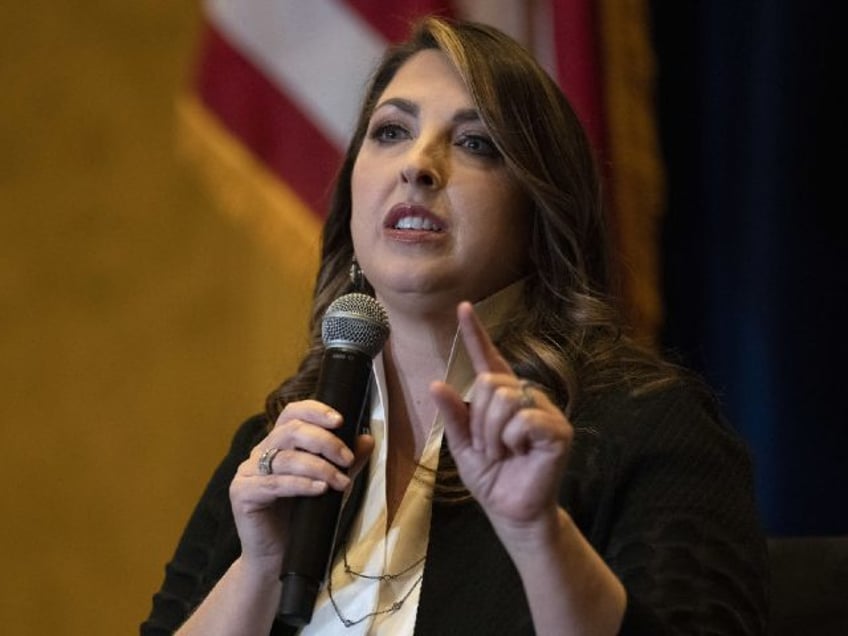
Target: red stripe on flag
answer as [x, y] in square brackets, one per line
[272, 127]
[579, 69]
[393, 18]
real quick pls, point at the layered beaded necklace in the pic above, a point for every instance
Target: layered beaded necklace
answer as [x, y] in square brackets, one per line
[378, 578]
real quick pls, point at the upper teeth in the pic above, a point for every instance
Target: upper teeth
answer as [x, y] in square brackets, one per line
[415, 223]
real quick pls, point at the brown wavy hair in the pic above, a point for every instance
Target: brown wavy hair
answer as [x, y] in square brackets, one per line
[570, 339]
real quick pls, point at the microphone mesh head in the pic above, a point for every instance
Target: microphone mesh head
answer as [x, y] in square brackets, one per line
[355, 321]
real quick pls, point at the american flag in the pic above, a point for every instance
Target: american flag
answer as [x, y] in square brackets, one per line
[278, 83]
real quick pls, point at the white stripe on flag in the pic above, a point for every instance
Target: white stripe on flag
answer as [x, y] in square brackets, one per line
[531, 23]
[318, 52]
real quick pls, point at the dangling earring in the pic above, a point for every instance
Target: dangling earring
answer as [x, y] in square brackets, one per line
[357, 278]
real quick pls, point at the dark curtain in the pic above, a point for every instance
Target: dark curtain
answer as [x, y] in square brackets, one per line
[752, 122]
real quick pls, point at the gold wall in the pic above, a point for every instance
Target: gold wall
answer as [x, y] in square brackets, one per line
[138, 324]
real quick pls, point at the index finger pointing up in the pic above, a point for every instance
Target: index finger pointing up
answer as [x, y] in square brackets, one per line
[485, 357]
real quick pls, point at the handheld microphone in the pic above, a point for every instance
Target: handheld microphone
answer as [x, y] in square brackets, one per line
[354, 329]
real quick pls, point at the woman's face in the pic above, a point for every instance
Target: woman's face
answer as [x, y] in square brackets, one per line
[436, 216]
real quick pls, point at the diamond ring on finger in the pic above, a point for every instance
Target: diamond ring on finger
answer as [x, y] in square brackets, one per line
[266, 459]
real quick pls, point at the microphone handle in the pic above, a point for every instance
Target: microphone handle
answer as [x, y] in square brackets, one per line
[342, 384]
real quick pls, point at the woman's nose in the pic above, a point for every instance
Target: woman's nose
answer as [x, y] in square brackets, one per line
[424, 167]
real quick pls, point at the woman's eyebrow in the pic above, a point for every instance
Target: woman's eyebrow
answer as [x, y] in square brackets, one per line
[400, 103]
[466, 114]
[411, 108]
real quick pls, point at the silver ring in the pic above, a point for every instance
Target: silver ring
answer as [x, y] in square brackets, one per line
[527, 400]
[265, 460]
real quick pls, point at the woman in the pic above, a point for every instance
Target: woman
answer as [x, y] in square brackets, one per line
[528, 469]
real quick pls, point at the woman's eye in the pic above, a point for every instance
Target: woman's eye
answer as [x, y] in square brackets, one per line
[478, 145]
[388, 133]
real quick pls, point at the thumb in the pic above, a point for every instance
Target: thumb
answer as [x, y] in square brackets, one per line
[454, 414]
[364, 445]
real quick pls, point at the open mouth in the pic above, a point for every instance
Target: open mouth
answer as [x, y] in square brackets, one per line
[417, 218]
[417, 223]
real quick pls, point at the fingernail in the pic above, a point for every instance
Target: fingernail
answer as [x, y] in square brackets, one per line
[347, 456]
[334, 417]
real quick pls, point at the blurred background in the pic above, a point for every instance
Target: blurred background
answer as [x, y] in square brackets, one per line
[138, 326]
[156, 259]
